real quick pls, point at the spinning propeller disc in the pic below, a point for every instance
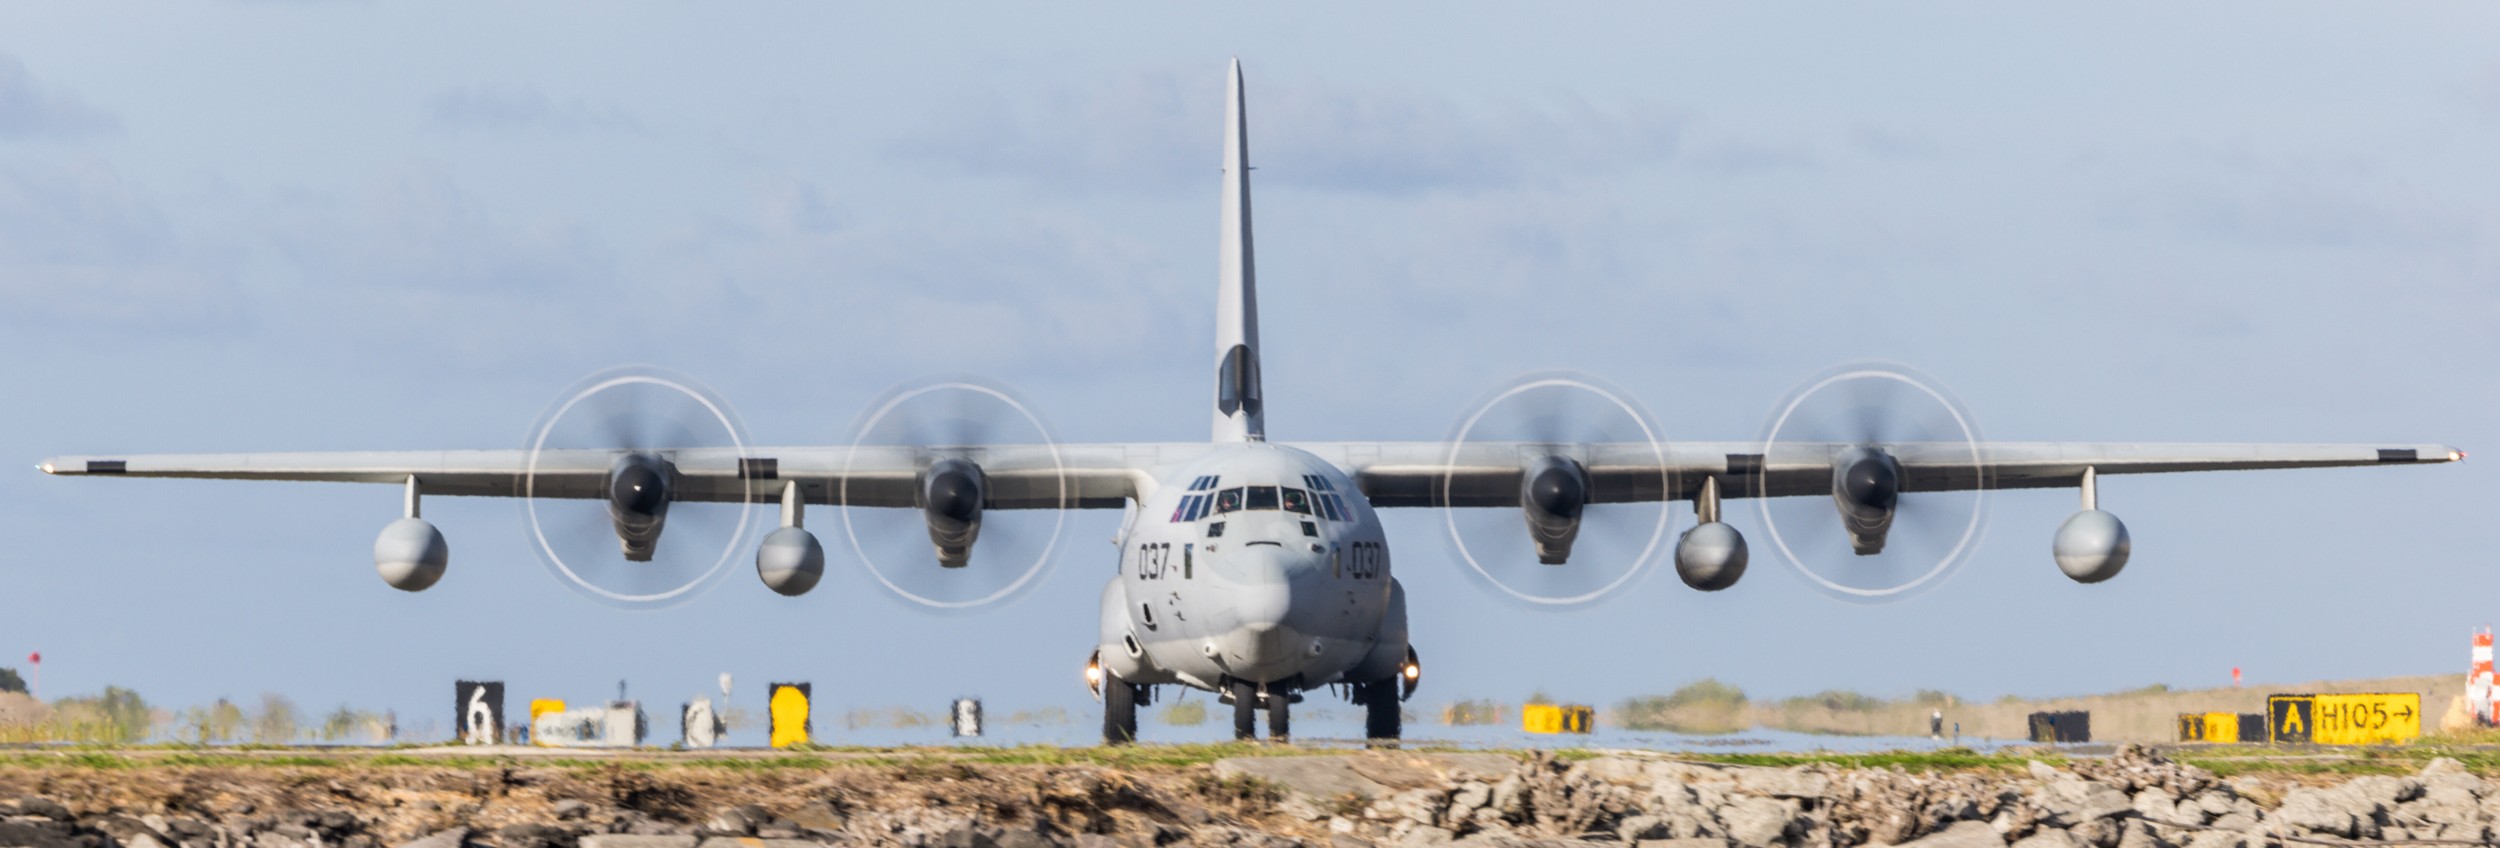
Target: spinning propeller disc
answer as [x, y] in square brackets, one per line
[644, 412]
[1899, 411]
[1616, 542]
[958, 418]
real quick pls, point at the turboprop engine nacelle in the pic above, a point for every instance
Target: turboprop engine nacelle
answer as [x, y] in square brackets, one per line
[1552, 494]
[2092, 546]
[1866, 485]
[638, 495]
[1711, 556]
[952, 493]
[410, 554]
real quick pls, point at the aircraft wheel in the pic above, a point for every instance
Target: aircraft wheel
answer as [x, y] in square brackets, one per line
[1119, 710]
[1381, 718]
[1245, 710]
[1279, 716]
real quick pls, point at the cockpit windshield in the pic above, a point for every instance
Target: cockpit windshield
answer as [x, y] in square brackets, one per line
[1263, 497]
[1297, 500]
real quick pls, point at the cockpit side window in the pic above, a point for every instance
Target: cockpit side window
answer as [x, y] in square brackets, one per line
[1228, 500]
[1297, 500]
[1260, 497]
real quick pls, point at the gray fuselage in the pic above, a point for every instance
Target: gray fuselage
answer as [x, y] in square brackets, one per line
[1257, 563]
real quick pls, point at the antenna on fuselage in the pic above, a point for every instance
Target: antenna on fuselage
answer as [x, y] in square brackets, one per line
[1240, 413]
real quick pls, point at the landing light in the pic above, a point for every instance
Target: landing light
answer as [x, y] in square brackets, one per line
[1414, 671]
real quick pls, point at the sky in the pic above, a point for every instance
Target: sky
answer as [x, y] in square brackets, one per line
[252, 226]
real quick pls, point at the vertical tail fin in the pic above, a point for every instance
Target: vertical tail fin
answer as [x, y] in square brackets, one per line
[1240, 414]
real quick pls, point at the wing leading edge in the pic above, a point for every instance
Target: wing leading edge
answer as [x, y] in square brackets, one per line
[1488, 474]
[1392, 474]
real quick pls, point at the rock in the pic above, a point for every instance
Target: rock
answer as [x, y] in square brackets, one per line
[819, 814]
[1507, 796]
[2040, 771]
[1618, 770]
[2048, 837]
[2096, 833]
[1427, 835]
[1783, 783]
[2074, 801]
[2217, 839]
[534, 835]
[24, 833]
[1760, 822]
[570, 809]
[1963, 834]
[333, 822]
[1688, 842]
[1025, 839]
[37, 805]
[2325, 811]
[454, 837]
[2156, 804]
[1421, 806]
[1639, 828]
[2135, 833]
[737, 821]
[636, 840]
[2383, 790]
[1096, 840]
[1471, 796]
[1345, 841]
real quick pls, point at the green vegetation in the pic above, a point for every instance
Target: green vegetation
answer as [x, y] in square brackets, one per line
[1836, 700]
[119, 716]
[1942, 759]
[1706, 706]
[218, 722]
[949, 761]
[1477, 712]
[10, 682]
[1189, 713]
[275, 723]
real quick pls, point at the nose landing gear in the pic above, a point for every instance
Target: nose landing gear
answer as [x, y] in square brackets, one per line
[1247, 698]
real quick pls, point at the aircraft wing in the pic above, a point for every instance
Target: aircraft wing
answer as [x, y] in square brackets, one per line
[1020, 476]
[1392, 474]
[1488, 474]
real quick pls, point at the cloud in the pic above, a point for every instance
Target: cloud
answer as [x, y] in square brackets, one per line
[83, 250]
[905, 291]
[29, 109]
[1162, 130]
[521, 108]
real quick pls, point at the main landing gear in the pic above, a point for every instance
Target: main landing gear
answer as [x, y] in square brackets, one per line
[1120, 699]
[1381, 716]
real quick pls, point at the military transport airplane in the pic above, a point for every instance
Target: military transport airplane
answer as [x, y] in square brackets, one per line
[1252, 569]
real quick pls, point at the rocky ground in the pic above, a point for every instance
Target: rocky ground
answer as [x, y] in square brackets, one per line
[2133, 800]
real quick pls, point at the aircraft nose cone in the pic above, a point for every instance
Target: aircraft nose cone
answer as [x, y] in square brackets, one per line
[1265, 595]
[1261, 642]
